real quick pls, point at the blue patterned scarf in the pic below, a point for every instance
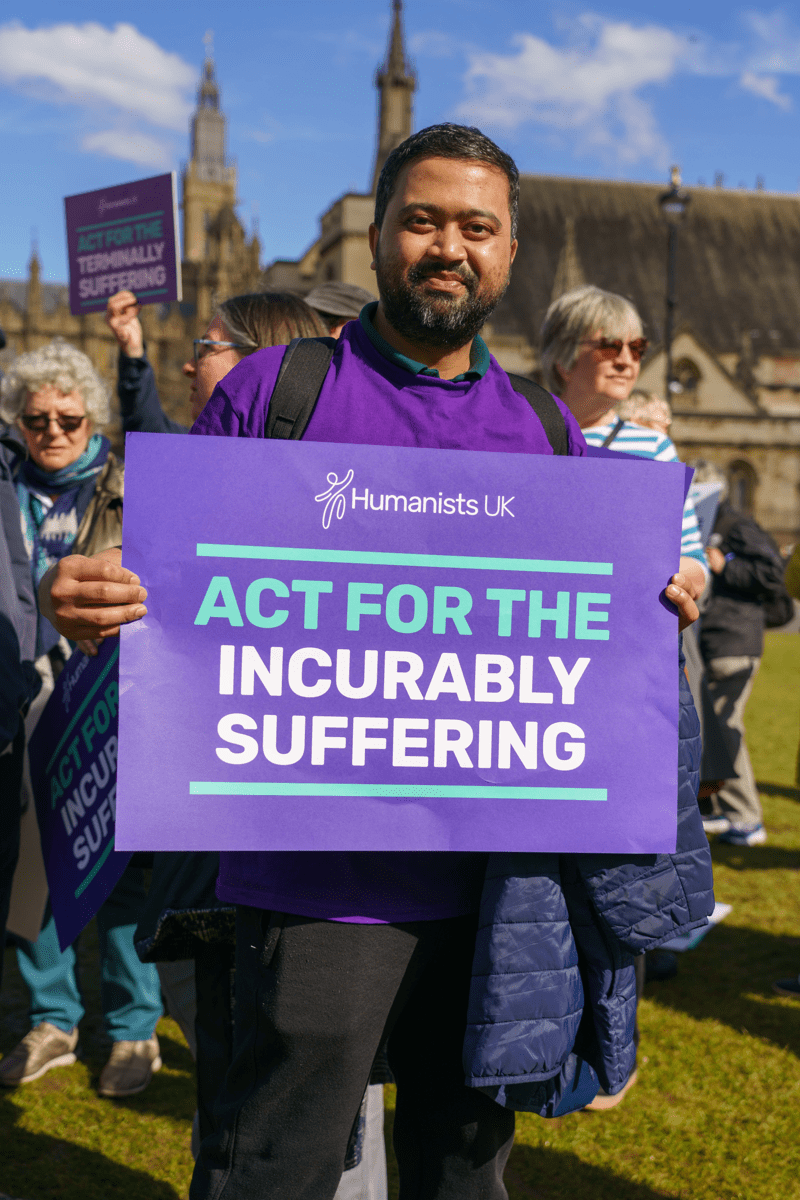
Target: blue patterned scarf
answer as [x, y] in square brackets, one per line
[50, 532]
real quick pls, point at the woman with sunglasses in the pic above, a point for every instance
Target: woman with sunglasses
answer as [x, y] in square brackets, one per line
[591, 353]
[69, 487]
[592, 345]
[239, 327]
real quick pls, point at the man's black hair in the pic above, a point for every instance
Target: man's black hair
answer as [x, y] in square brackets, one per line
[447, 141]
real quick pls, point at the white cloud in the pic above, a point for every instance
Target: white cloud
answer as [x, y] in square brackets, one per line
[765, 86]
[588, 87]
[116, 71]
[91, 65]
[130, 147]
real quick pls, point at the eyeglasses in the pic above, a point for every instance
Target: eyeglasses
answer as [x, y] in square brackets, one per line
[198, 342]
[611, 348]
[40, 423]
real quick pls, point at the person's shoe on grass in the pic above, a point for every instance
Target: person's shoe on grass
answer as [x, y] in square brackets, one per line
[788, 987]
[129, 1068]
[603, 1101]
[716, 823]
[44, 1047]
[744, 835]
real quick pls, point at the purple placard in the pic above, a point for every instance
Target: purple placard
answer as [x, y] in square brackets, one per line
[606, 452]
[73, 754]
[320, 669]
[124, 237]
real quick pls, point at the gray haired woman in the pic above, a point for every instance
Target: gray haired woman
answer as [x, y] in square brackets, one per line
[69, 489]
[592, 344]
[70, 485]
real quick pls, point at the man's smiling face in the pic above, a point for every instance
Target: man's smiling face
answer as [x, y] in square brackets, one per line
[443, 254]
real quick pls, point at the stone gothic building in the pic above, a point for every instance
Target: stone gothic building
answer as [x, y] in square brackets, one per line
[219, 260]
[737, 343]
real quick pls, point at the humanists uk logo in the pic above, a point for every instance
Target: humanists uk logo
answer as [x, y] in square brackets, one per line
[336, 497]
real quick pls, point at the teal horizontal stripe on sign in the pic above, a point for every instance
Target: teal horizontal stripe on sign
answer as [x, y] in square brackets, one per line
[403, 791]
[120, 221]
[467, 562]
[85, 882]
[103, 303]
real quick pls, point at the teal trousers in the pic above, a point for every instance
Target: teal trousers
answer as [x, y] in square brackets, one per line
[130, 993]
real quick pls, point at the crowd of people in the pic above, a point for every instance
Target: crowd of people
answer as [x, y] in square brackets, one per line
[303, 982]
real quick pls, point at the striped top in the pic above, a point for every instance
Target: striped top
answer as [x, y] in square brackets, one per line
[648, 443]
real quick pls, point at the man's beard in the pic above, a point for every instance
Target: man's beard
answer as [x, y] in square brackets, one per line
[442, 319]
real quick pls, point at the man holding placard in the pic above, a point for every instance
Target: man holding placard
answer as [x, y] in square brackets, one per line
[336, 952]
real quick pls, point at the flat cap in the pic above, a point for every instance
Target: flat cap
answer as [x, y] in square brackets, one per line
[339, 299]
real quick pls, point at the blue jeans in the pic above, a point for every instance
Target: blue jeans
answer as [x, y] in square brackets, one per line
[130, 993]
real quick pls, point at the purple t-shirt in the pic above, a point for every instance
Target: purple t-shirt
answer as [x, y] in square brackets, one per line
[367, 399]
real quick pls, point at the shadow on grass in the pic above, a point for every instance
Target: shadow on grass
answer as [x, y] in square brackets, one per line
[539, 1173]
[49, 1168]
[535, 1173]
[722, 977]
[779, 789]
[167, 1095]
[755, 858]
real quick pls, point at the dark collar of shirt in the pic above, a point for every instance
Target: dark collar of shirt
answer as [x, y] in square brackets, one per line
[478, 355]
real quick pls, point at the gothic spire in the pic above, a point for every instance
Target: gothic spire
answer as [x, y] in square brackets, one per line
[396, 83]
[208, 92]
[208, 122]
[396, 65]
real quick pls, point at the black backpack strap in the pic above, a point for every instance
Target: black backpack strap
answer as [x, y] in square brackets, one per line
[546, 409]
[297, 388]
[608, 440]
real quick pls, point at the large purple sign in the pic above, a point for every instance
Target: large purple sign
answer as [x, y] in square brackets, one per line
[73, 756]
[377, 648]
[124, 237]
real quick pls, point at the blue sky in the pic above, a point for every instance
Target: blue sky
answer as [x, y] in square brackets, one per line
[93, 94]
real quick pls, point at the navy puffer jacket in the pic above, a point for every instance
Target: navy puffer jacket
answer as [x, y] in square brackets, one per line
[552, 1004]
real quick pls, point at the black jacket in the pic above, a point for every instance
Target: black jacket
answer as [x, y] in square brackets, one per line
[19, 682]
[733, 622]
[139, 404]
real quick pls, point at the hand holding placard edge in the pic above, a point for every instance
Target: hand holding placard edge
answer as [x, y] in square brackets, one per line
[91, 598]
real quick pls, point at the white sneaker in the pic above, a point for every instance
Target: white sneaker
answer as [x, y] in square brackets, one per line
[44, 1047]
[744, 835]
[716, 824]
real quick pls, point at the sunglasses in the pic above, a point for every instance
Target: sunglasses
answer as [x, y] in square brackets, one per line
[198, 342]
[41, 423]
[611, 348]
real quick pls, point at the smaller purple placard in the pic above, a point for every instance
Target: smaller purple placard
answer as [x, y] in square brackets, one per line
[124, 238]
[73, 757]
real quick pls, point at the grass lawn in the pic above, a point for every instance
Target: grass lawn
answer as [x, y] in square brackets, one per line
[713, 1117]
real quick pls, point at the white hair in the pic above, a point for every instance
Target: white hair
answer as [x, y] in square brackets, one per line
[57, 365]
[577, 315]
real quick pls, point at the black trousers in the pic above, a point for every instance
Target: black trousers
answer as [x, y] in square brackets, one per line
[213, 1026]
[314, 1001]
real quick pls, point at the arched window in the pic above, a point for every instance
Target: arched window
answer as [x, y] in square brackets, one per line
[742, 481]
[688, 375]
